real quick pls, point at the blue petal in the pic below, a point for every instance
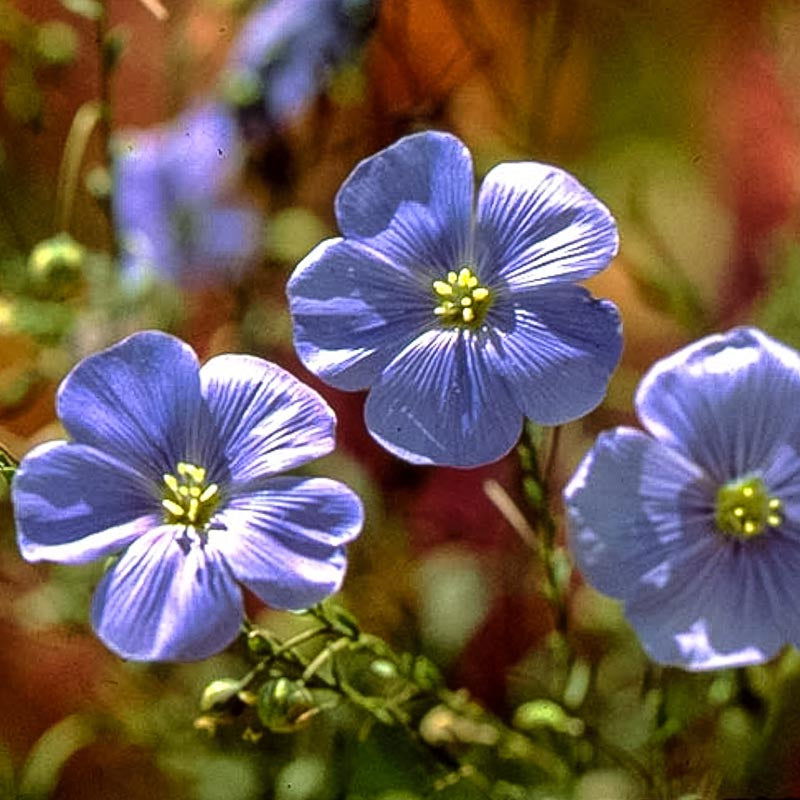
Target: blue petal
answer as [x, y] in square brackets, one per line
[727, 401]
[412, 202]
[139, 401]
[286, 541]
[441, 402]
[636, 508]
[200, 154]
[353, 312]
[715, 612]
[167, 599]
[536, 224]
[226, 241]
[74, 504]
[143, 210]
[265, 419]
[558, 353]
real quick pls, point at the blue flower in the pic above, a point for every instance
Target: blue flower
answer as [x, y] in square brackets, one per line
[695, 525]
[460, 317]
[173, 469]
[284, 54]
[171, 206]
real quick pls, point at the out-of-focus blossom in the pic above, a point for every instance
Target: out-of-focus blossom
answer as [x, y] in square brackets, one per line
[172, 469]
[172, 210]
[460, 318]
[696, 526]
[285, 54]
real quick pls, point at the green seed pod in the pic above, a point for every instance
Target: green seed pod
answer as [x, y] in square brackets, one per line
[285, 705]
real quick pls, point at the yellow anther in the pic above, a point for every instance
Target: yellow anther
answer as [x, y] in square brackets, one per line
[442, 288]
[173, 508]
[745, 509]
[461, 300]
[209, 492]
[189, 500]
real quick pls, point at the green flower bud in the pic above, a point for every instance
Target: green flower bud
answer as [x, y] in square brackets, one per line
[546, 714]
[220, 694]
[285, 705]
[56, 265]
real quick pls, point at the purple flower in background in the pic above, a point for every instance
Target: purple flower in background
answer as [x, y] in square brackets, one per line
[284, 54]
[695, 525]
[171, 206]
[174, 468]
[460, 318]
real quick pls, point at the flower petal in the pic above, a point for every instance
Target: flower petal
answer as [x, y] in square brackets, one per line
[74, 504]
[537, 224]
[265, 419]
[138, 400]
[286, 541]
[412, 202]
[143, 210]
[441, 402]
[559, 352]
[715, 612]
[726, 402]
[635, 508]
[167, 599]
[353, 312]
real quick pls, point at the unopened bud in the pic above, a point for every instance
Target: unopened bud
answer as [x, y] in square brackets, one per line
[285, 705]
[56, 265]
[219, 694]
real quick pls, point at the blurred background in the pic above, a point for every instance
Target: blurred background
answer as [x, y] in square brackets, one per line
[168, 165]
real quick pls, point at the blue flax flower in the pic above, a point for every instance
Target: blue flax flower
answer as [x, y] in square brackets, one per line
[172, 205]
[460, 317]
[695, 525]
[173, 469]
[284, 54]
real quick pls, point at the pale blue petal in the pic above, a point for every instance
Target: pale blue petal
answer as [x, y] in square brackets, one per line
[139, 401]
[168, 598]
[635, 510]
[265, 420]
[714, 612]
[74, 504]
[412, 202]
[286, 541]
[143, 210]
[726, 402]
[441, 402]
[557, 352]
[201, 154]
[536, 224]
[353, 312]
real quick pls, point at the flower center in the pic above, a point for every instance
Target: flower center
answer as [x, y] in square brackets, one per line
[461, 299]
[188, 499]
[744, 508]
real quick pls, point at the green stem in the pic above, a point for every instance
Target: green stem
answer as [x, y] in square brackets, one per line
[83, 124]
